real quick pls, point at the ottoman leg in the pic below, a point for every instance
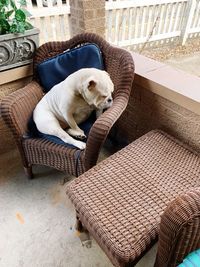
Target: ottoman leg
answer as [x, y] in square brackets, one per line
[79, 226]
[28, 171]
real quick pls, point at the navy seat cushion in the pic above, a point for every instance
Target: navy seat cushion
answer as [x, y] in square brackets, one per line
[54, 70]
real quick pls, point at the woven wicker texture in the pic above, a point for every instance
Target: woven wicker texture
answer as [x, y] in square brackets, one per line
[54, 155]
[7, 141]
[17, 108]
[121, 199]
[179, 229]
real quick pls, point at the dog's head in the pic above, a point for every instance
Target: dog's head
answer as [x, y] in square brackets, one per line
[97, 89]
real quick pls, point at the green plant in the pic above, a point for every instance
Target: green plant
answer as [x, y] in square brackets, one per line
[12, 18]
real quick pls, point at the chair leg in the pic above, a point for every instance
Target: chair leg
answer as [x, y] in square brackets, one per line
[28, 171]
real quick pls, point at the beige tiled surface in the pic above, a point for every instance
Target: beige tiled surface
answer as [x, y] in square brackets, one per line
[181, 82]
[143, 64]
[173, 84]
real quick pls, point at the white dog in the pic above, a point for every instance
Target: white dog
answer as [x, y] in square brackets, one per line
[71, 102]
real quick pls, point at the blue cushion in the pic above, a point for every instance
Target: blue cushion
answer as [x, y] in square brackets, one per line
[54, 70]
[192, 259]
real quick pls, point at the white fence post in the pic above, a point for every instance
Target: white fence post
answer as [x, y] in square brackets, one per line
[188, 20]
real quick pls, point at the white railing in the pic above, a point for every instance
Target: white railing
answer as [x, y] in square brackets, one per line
[194, 29]
[128, 22]
[51, 17]
[139, 22]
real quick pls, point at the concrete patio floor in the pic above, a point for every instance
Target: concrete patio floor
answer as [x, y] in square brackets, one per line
[37, 222]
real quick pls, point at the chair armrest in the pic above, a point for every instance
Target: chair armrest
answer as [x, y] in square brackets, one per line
[100, 130]
[17, 108]
[122, 75]
[179, 229]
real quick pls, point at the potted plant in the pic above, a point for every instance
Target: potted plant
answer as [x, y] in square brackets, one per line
[18, 38]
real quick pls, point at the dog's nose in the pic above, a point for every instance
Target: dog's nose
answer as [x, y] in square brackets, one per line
[109, 100]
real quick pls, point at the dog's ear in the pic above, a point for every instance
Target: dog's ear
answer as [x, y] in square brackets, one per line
[91, 85]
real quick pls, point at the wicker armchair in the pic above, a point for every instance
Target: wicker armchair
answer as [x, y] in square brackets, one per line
[17, 108]
[179, 232]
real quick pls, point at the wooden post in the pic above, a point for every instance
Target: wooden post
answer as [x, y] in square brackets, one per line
[188, 20]
[87, 16]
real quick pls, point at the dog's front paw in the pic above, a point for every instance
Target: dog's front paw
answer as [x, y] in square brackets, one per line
[80, 145]
[79, 134]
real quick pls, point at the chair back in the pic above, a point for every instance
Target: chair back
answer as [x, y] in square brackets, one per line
[117, 62]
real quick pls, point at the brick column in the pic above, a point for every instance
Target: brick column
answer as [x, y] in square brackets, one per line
[87, 16]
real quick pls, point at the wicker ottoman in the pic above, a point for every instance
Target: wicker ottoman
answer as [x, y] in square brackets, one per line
[121, 199]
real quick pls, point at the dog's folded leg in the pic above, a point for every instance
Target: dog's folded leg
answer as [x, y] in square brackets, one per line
[59, 132]
[48, 124]
[74, 130]
[76, 133]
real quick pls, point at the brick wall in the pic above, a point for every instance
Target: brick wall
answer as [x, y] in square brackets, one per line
[87, 16]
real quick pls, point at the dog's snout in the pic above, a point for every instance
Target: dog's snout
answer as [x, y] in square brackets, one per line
[109, 100]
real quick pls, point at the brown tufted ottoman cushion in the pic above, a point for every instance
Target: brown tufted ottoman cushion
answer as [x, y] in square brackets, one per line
[121, 199]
